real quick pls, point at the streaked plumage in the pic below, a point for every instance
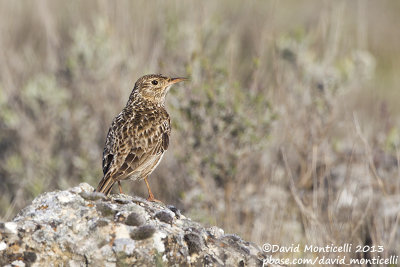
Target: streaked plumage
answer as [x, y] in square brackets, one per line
[139, 135]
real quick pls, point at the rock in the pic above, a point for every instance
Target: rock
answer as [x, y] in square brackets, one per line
[8, 228]
[78, 227]
[106, 209]
[134, 219]
[194, 243]
[3, 245]
[142, 232]
[175, 211]
[165, 216]
[92, 195]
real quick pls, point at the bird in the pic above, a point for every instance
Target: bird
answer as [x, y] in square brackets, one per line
[139, 135]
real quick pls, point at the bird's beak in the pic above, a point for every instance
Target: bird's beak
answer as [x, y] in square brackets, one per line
[176, 80]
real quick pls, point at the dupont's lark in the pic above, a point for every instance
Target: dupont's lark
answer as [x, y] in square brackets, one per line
[139, 135]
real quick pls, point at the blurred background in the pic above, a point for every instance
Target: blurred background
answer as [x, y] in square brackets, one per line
[288, 131]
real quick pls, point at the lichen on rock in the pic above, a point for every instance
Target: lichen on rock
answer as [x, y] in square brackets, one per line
[78, 227]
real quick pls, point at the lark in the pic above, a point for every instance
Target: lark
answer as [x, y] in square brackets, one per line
[139, 136]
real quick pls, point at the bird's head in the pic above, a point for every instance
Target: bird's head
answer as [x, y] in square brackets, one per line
[154, 87]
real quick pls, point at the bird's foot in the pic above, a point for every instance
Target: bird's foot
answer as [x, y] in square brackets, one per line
[151, 196]
[152, 199]
[120, 188]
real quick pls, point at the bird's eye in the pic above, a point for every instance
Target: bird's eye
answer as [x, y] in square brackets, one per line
[155, 82]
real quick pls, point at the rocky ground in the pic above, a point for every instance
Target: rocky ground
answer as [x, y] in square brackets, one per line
[78, 227]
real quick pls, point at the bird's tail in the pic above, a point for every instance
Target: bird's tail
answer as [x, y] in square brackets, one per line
[105, 184]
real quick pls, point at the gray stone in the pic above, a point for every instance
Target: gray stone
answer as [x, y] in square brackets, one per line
[92, 195]
[124, 247]
[9, 228]
[105, 209]
[134, 219]
[165, 216]
[77, 227]
[143, 232]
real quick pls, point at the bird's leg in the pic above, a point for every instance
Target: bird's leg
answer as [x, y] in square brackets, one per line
[151, 196]
[120, 188]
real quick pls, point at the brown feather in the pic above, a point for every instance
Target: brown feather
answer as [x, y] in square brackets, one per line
[139, 135]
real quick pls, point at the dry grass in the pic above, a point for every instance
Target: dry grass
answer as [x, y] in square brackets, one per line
[286, 133]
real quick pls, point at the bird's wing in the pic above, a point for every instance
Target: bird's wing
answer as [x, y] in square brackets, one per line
[108, 154]
[115, 145]
[139, 143]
